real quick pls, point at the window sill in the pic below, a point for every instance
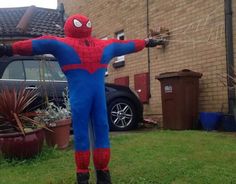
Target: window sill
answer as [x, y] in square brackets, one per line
[119, 64]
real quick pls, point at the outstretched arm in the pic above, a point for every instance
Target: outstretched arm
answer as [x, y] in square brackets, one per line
[122, 47]
[41, 45]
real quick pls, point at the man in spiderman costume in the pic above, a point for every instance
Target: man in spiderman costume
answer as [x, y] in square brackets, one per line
[84, 61]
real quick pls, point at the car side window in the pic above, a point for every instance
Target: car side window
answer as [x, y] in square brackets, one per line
[14, 70]
[53, 71]
[32, 70]
[36, 70]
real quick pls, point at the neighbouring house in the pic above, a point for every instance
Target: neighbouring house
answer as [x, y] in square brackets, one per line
[30, 22]
[202, 39]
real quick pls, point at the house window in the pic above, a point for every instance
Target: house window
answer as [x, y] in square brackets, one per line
[120, 36]
[120, 60]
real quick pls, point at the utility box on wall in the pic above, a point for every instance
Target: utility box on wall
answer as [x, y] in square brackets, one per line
[142, 86]
[124, 81]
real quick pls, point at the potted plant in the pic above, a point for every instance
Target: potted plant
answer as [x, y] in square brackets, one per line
[20, 135]
[58, 120]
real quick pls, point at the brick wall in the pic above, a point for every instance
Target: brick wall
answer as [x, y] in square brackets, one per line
[197, 42]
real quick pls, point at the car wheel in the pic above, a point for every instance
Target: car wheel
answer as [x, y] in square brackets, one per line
[122, 115]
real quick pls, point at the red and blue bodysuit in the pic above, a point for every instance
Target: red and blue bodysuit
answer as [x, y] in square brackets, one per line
[84, 61]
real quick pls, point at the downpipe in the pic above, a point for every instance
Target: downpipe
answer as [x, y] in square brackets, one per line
[229, 54]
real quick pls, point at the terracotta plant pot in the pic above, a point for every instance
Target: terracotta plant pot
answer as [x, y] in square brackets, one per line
[16, 145]
[60, 135]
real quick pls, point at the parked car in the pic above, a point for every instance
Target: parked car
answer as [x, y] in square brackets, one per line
[43, 73]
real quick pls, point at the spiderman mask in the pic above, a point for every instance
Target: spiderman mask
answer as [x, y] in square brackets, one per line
[78, 26]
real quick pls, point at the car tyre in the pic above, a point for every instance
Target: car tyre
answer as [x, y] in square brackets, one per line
[122, 115]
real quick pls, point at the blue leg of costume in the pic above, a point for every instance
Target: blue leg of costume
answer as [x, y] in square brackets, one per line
[88, 102]
[101, 152]
[80, 117]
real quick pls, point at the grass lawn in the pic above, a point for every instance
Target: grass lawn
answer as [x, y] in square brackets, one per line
[145, 157]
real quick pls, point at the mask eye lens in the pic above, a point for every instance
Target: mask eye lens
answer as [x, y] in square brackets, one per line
[89, 25]
[77, 23]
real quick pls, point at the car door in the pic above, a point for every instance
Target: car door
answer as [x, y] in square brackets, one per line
[47, 77]
[33, 79]
[54, 81]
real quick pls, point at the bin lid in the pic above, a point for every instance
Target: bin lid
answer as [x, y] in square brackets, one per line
[181, 73]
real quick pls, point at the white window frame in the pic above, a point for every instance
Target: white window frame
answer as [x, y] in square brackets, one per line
[118, 36]
[104, 38]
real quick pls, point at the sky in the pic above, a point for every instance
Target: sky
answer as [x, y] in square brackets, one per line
[21, 3]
